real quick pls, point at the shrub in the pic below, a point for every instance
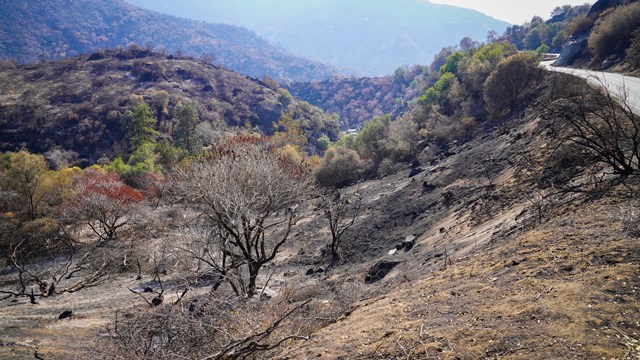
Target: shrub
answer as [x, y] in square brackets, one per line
[512, 79]
[389, 167]
[595, 122]
[580, 25]
[630, 218]
[633, 52]
[341, 167]
[612, 32]
[371, 141]
[542, 49]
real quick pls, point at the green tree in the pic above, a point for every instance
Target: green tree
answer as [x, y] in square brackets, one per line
[289, 132]
[451, 65]
[168, 155]
[141, 129]
[185, 133]
[438, 91]
[371, 141]
[23, 182]
[510, 82]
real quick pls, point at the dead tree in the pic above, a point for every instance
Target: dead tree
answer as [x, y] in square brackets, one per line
[56, 276]
[103, 202]
[241, 189]
[204, 252]
[342, 212]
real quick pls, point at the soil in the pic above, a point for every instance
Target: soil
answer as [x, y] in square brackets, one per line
[502, 266]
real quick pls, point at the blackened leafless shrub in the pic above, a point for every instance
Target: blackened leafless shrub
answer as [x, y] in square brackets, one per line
[342, 212]
[218, 329]
[600, 122]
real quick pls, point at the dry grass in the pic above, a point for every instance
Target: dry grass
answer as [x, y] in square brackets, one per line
[568, 289]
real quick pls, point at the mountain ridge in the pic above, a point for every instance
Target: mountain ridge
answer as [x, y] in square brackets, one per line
[51, 29]
[386, 36]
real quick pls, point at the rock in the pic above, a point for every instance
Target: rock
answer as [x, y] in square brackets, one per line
[602, 5]
[574, 50]
[148, 290]
[65, 314]
[392, 251]
[157, 301]
[610, 61]
[408, 243]
[378, 271]
[310, 272]
[427, 188]
[319, 271]
[415, 172]
[96, 56]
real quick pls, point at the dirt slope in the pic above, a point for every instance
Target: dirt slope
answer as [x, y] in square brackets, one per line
[503, 266]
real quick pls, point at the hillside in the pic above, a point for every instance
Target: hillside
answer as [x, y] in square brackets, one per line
[156, 206]
[372, 38]
[495, 260]
[51, 29]
[606, 38]
[357, 100]
[81, 104]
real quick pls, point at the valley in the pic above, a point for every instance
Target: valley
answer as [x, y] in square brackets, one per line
[158, 203]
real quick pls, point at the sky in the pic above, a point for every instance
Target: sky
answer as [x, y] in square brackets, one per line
[515, 12]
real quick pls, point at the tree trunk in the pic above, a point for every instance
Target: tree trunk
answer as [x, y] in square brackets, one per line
[254, 268]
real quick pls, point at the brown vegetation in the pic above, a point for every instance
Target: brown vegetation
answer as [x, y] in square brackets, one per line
[612, 32]
[82, 104]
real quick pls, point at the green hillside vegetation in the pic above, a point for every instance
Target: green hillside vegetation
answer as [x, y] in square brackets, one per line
[549, 35]
[356, 100]
[474, 91]
[85, 105]
[52, 29]
[617, 33]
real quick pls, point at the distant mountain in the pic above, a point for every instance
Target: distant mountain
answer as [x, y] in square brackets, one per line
[50, 29]
[81, 104]
[372, 37]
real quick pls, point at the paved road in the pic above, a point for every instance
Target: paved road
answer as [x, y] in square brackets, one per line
[619, 85]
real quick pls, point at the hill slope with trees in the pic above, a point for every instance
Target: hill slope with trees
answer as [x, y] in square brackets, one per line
[51, 29]
[357, 100]
[605, 38]
[84, 104]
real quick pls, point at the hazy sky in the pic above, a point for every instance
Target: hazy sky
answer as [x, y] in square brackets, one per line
[515, 12]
